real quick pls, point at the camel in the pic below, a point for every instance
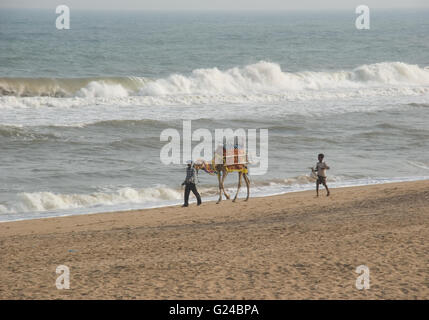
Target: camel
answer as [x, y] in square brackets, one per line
[222, 170]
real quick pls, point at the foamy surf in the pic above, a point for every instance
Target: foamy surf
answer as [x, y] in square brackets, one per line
[268, 78]
[50, 201]
[49, 204]
[262, 78]
[68, 87]
[251, 85]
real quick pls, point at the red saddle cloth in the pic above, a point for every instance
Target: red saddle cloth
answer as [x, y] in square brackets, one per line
[234, 156]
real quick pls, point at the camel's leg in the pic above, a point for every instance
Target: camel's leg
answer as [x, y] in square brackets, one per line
[224, 174]
[239, 185]
[246, 179]
[220, 187]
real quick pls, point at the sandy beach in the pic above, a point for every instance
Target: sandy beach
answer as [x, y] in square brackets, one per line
[292, 246]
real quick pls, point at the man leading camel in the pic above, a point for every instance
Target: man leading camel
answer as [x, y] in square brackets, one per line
[190, 184]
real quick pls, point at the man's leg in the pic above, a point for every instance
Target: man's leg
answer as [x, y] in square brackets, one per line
[195, 192]
[187, 191]
[317, 187]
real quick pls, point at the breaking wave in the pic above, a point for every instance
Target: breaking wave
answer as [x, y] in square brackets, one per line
[268, 78]
[79, 87]
[50, 201]
[22, 133]
[54, 204]
[262, 78]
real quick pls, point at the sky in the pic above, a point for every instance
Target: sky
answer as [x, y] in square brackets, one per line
[214, 4]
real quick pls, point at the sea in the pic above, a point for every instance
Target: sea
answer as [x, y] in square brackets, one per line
[82, 109]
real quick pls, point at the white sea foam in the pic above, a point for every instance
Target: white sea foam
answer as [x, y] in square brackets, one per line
[30, 205]
[268, 78]
[96, 89]
[50, 201]
[259, 82]
[189, 100]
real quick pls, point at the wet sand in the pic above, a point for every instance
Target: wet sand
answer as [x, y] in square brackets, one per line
[292, 246]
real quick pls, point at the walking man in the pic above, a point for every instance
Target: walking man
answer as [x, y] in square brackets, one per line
[190, 184]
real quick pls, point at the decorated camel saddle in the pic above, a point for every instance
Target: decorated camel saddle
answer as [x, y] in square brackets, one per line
[232, 158]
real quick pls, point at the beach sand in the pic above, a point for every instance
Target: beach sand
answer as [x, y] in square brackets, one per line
[292, 246]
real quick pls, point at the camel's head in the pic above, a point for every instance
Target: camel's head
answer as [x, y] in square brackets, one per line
[205, 166]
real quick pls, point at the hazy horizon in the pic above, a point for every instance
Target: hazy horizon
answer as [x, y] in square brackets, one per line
[221, 5]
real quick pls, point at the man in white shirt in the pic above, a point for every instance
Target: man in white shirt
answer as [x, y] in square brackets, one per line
[320, 169]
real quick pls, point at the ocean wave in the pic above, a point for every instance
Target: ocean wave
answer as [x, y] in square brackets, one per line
[97, 89]
[69, 87]
[262, 79]
[22, 133]
[419, 105]
[268, 78]
[45, 131]
[113, 124]
[141, 123]
[50, 204]
[50, 201]
[12, 102]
